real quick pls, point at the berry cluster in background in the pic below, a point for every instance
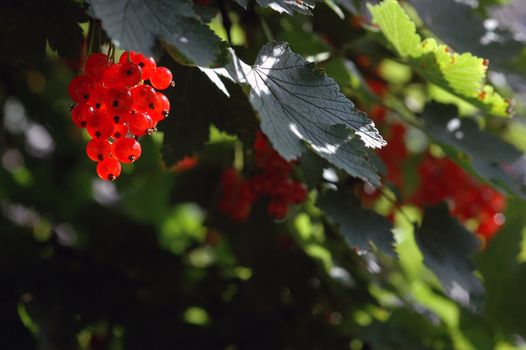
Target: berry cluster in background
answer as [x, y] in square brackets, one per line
[271, 180]
[116, 106]
[440, 178]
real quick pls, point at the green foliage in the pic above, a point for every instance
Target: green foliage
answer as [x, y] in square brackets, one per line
[461, 74]
[187, 133]
[137, 25]
[363, 229]
[151, 262]
[299, 104]
[482, 152]
[23, 22]
[449, 261]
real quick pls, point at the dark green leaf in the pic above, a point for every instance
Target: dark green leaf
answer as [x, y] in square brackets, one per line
[359, 226]
[27, 25]
[138, 24]
[198, 103]
[447, 247]
[504, 274]
[298, 104]
[408, 329]
[489, 155]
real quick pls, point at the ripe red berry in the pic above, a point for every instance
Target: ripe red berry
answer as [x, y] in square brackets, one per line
[161, 107]
[120, 131]
[127, 150]
[81, 113]
[109, 169]
[143, 98]
[80, 88]
[96, 65]
[98, 150]
[298, 193]
[118, 100]
[111, 76]
[130, 74]
[277, 208]
[116, 107]
[140, 124]
[97, 98]
[147, 64]
[100, 126]
[161, 78]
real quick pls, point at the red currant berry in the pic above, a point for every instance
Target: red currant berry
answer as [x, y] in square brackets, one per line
[130, 74]
[140, 124]
[81, 113]
[143, 98]
[80, 88]
[161, 78]
[100, 126]
[161, 107]
[111, 76]
[98, 150]
[109, 169]
[96, 65]
[278, 209]
[118, 100]
[132, 55]
[147, 64]
[298, 193]
[121, 118]
[120, 131]
[127, 150]
[98, 97]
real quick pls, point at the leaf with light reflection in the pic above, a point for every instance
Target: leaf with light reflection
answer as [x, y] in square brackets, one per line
[138, 24]
[285, 6]
[299, 105]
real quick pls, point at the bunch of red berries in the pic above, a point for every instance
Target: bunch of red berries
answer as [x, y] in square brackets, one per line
[443, 180]
[116, 106]
[272, 180]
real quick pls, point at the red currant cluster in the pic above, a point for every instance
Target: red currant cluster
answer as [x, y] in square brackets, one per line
[440, 178]
[272, 180]
[443, 180]
[117, 107]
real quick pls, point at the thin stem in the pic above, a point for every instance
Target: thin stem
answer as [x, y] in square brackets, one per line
[238, 157]
[397, 206]
[266, 29]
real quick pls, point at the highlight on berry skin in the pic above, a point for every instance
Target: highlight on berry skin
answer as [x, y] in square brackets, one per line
[117, 103]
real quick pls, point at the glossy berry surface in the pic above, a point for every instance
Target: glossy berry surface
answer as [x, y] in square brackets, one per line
[161, 78]
[140, 124]
[98, 150]
[144, 98]
[120, 131]
[147, 64]
[130, 74]
[116, 105]
[100, 126]
[96, 65]
[111, 76]
[80, 89]
[81, 113]
[127, 150]
[109, 169]
[118, 100]
[161, 107]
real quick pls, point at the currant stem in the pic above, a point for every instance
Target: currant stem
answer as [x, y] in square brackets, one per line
[238, 156]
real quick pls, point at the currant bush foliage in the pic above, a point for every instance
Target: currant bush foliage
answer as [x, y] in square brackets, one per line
[462, 74]
[331, 175]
